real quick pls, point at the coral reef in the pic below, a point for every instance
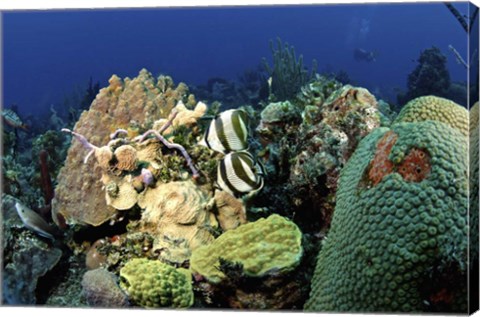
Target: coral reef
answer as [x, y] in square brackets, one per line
[398, 239]
[305, 159]
[155, 284]
[26, 258]
[114, 252]
[175, 218]
[101, 289]
[316, 92]
[437, 109]
[130, 104]
[274, 118]
[175, 213]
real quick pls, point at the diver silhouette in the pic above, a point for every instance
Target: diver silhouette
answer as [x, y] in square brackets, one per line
[363, 55]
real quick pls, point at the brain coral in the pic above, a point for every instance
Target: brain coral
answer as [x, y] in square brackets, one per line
[151, 284]
[398, 243]
[266, 245]
[130, 104]
[437, 109]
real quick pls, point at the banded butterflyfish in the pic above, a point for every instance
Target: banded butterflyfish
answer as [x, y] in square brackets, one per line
[227, 132]
[238, 173]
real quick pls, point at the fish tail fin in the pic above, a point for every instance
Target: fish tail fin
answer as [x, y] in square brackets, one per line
[202, 142]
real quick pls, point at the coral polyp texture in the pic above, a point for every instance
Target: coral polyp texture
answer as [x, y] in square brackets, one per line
[398, 240]
[132, 105]
[474, 188]
[271, 245]
[153, 284]
[436, 109]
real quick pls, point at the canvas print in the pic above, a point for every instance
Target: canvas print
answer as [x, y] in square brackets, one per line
[308, 158]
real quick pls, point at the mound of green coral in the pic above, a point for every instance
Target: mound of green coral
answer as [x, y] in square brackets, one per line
[151, 284]
[261, 247]
[398, 240]
[474, 186]
[437, 109]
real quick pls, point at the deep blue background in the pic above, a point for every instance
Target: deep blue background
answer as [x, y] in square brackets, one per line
[48, 53]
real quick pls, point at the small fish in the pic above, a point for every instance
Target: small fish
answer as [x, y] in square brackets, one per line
[238, 174]
[35, 222]
[227, 132]
[13, 120]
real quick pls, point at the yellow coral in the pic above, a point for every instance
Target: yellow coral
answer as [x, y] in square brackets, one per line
[436, 109]
[188, 117]
[126, 156]
[266, 245]
[474, 117]
[116, 84]
[154, 284]
[184, 117]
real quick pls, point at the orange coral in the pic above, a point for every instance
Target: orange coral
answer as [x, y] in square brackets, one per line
[442, 296]
[416, 166]
[381, 166]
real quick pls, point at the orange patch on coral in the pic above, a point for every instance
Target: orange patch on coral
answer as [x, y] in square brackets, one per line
[416, 166]
[381, 166]
[442, 296]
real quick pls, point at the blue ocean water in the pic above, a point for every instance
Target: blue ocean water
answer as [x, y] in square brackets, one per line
[48, 54]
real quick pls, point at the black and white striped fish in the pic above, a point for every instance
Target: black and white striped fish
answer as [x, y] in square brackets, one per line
[227, 132]
[239, 174]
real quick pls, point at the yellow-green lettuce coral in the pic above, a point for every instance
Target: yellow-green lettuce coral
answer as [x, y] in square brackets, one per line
[266, 245]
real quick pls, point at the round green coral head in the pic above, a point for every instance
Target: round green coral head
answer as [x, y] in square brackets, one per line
[265, 246]
[397, 225]
[153, 284]
[436, 109]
